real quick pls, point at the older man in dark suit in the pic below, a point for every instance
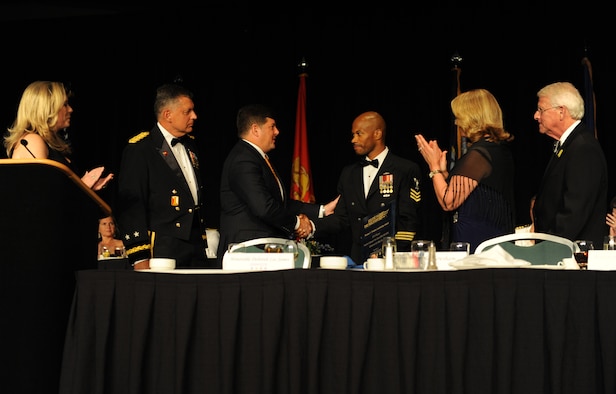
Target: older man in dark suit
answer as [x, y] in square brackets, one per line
[254, 200]
[380, 181]
[160, 192]
[572, 198]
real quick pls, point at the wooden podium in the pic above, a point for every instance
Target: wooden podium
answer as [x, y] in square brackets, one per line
[49, 221]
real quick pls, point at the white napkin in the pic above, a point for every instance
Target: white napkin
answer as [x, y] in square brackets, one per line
[496, 256]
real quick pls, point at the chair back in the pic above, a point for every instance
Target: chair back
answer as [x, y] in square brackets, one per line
[547, 249]
[259, 245]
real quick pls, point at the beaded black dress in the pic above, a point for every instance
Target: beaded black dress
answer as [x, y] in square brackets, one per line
[489, 210]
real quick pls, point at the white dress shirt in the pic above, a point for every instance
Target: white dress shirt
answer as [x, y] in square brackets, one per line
[181, 156]
[371, 171]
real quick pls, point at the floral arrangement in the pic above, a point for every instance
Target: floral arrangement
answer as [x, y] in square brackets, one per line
[317, 248]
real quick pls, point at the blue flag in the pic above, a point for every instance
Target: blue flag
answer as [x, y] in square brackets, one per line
[457, 143]
[590, 114]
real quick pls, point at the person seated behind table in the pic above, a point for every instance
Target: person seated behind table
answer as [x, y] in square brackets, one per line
[610, 219]
[109, 245]
[529, 228]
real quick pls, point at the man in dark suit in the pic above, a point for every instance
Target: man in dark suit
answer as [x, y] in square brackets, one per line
[160, 194]
[254, 201]
[380, 180]
[572, 198]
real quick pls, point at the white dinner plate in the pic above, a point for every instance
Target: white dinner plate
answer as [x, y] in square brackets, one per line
[196, 271]
[475, 264]
[547, 266]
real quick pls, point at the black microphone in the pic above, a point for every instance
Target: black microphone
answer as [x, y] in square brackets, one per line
[25, 144]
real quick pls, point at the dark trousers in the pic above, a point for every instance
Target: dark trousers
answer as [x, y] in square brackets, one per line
[187, 253]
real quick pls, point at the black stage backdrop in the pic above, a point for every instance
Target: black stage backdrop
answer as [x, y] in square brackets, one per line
[395, 60]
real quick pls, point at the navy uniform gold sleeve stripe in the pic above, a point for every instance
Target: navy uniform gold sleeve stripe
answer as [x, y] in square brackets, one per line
[405, 235]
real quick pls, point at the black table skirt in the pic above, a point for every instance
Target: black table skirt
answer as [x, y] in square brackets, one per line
[325, 331]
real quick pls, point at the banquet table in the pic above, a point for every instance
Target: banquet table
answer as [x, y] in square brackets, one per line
[495, 330]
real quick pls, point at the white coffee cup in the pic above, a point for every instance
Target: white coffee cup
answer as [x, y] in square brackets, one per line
[162, 264]
[333, 262]
[375, 264]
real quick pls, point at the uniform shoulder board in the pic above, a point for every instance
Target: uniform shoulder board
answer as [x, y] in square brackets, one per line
[139, 137]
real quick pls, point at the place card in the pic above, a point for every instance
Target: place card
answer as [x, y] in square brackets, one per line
[240, 261]
[602, 260]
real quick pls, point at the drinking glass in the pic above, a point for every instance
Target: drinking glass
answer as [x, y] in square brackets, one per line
[273, 248]
[419, 253]
[609, 242]
[460, 247]
[582, 256]
[120, 252]
[291, 247]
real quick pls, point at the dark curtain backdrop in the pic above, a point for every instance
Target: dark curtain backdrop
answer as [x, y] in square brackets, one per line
[395, 60]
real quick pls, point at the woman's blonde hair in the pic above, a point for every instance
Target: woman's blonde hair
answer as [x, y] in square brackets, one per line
[37, 113]
[479, 115]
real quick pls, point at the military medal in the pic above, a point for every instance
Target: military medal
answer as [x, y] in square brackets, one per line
[193, 159]
[386, 184]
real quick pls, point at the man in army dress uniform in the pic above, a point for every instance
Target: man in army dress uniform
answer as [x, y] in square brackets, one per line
[160, 193]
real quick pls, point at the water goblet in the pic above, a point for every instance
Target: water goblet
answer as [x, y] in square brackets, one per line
[582, 255]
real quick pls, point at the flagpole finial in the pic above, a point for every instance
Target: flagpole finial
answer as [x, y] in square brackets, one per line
[456, 59]
[586, 49]
[303, 66]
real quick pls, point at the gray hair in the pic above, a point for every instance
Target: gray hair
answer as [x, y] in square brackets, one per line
[564, 94]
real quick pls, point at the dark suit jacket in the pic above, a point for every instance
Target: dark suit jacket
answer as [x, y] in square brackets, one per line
[353, 206]
[572, 198]
[153, 195]
[251, 203]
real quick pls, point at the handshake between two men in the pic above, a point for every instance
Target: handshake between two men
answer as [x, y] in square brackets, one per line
[306, 227]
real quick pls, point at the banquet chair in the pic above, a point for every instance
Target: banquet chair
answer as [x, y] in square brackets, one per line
[547, 249]
[258, 245]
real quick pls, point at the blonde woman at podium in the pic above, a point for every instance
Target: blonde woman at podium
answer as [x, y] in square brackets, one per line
[43, 113]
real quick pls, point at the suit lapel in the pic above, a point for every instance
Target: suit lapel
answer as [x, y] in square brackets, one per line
[165, 152]
[275, 189]
[358, 185]
[555, 157]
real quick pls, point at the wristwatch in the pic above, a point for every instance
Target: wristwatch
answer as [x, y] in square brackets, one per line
[434, 172]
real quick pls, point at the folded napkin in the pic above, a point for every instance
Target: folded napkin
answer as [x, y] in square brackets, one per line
[496, 256]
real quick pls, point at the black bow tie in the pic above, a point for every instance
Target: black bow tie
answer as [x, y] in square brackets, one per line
[182, 140]
[374, 163]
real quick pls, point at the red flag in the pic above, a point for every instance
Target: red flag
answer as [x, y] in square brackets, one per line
[301, 176]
